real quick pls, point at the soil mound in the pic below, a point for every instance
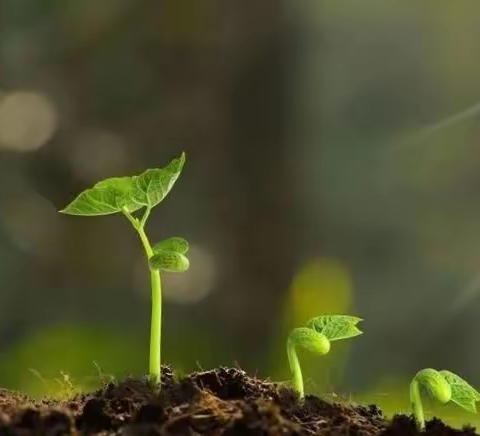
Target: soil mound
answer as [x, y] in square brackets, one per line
[224, 401]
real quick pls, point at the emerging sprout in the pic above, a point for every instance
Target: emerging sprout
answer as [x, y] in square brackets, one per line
[129, 195]
[444, 386]
[316, 338]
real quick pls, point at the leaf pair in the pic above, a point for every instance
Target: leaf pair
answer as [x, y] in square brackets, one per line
[117, 194]
[169, 255]
[461, 392]
[336, 327]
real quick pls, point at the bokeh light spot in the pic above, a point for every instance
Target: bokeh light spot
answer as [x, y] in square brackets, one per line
[27, 121]
[322, 285]
[195, 284]
[185, 288]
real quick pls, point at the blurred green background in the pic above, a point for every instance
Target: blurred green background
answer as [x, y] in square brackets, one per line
[333, 167]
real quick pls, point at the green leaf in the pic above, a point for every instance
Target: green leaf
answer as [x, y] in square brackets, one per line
[463, 394]
[176, 244]
[114, 194]
[106, 197]
[336, 327]
[169, 261]
[152, 186]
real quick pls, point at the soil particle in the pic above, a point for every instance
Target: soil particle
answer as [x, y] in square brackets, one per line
[224, 401]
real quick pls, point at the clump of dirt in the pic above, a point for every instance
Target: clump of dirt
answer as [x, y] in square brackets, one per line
[223, 401]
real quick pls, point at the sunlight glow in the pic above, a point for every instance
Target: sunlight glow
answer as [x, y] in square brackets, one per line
[28, 120]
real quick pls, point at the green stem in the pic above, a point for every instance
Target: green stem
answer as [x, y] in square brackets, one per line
[416, 403]
[297, 378]
[156, 328]
[156, 285]
[312, 341]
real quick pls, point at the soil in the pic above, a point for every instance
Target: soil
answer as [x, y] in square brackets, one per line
[225, 401]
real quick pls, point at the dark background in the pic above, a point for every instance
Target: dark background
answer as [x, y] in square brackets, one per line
[333, 167]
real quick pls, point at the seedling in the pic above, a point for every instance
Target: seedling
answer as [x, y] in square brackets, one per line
[444, 386]
[134, 195]
[316, 338]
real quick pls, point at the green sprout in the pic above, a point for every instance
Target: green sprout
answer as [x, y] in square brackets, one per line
[130, 195]
[444, 386]
[316, 338]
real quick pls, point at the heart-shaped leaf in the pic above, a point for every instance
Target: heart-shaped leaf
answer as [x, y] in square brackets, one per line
[106, 197]
[153, 185]
[175, 243]
[116, 194]
[336, 327]
[169, 261]
[463, 394]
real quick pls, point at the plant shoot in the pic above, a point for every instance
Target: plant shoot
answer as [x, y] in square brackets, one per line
[135, 197]
[316, 338]
[444, 386]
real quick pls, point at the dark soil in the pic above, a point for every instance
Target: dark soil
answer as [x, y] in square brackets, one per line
[220, 402]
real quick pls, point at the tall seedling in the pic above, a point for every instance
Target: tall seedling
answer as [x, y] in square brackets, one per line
[135, 197]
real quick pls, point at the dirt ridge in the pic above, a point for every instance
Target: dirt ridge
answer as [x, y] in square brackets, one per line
[224, 401]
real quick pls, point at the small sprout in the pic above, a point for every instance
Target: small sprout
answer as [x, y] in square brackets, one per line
[444, 386]
[316, 338]
[129, 195]
[104, 377]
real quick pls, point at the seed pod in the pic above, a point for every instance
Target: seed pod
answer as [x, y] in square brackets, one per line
[435, 384]
[169, 261]
[175, 243]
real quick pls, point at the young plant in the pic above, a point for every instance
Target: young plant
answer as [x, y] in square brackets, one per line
[139, 195]
[316, 338]
[444, 386]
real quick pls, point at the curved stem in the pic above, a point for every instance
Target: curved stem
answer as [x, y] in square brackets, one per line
[297, 378]
[146, 244]
[310, 340]
[416, 403]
